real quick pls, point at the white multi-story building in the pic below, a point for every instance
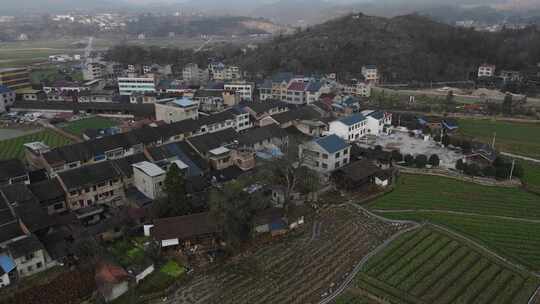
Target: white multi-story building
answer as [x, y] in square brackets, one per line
[92, 70]
[376, 121]
[174, 110]
[371, 74]
[7, 98]
[325, 154]
[349, 128]
[486, 70]
[192, 73]
[130, 85]
[148, 178]
[219, 71]
[242, 89]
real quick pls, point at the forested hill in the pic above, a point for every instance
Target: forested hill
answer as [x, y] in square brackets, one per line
[405, 48]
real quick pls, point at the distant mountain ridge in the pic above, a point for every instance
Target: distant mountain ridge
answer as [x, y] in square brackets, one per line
[405, 48]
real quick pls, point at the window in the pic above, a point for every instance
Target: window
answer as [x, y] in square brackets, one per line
[324, 166]
[317, 164]
[346, 152]
[337, 155]
[39, 265]
[30, 268]
[29, 256]
[337, 165]
[325, 156]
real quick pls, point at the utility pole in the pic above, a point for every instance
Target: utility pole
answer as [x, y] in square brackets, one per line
[512, 170]
[493, 142]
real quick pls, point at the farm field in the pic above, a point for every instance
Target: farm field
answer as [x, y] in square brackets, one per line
[301, 268]
[428, 265]
[532, 175]
[13, 148]
[512, 137]
[79, 126]
[504, 220]
[516, 240]
[421, 192]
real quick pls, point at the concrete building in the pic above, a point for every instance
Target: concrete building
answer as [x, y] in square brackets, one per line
[376, 121]
[15, 78]
[325, 154]
[7, 98]
[148, 178]
[349, 128]
[219, 71]
[130, 85]
[29, 255]
[371, 74]
[92, 70]
[242, 89]
[486, 70]
[92, 185]
[174, 110]
[193, 74]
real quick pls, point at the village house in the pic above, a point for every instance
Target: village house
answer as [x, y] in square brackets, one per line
[193, 74]
[243, 90]
[377, 121]
[371, 74]
[149, 178]
[486, 70]
[7, 267]
[306, 119]
[215, 100]
[357, 176]
[112, 281]
[13, 171]
[29, 255]
[50, 195]
[350, 128]
[7, 98]
[260, 110]
[93, 185]
[220, 71]
[174, 110]
[325, 154]
[200, 232]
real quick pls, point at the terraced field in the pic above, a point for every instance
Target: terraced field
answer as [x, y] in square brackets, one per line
[13, 148]
[428, 265]
[415, 192]
[519, 241]
[299, 269]
[513, 137]
[507, 221]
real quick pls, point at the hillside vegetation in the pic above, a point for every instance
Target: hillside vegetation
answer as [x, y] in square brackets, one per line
[408, 47]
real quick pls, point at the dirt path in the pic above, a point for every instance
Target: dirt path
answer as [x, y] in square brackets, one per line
[534, 160]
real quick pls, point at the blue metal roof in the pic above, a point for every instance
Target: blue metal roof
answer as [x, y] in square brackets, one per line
[332, 143]
[377, 114]
[183, 102]
[353, 119]
[314, 86]
[6, 263]
[4, 89]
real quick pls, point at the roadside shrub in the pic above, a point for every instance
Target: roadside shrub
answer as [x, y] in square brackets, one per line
[472, 170]
[434, 160]
[489, 171]
[421, 161]
[397, 156]
[409, 160]
[460, 165]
